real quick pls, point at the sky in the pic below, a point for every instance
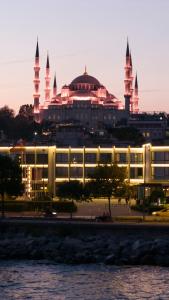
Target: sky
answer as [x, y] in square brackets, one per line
[85, 32]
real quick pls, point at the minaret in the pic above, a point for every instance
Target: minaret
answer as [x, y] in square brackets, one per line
[127, 80]
[36, 81]
[54, 87]
[131, 74]
[131, 84]
[47, 82]
[135, 96]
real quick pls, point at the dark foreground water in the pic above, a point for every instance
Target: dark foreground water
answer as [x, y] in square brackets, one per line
[43, 281]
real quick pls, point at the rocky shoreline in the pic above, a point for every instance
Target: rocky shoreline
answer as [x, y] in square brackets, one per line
[65, 245]
[89, 250]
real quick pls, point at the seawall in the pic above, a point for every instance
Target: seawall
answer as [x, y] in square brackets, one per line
[85, 242]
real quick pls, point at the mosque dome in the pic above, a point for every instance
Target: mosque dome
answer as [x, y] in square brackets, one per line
[85, 79]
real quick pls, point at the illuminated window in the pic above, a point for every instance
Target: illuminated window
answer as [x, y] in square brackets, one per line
[136, 173]
[136, 158]
[120, 157]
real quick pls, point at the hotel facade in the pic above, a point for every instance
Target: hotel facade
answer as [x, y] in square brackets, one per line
[43, 167]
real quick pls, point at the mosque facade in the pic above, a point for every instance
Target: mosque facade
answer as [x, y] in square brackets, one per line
[85, 101]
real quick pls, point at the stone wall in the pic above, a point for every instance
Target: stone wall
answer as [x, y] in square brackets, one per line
[83, 242]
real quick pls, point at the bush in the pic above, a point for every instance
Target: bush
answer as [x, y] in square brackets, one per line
[14, 206]
[37, 205]
[21, 206]
[146, 208]
[41, 198]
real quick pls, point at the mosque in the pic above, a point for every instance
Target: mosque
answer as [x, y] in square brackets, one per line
[85, 101]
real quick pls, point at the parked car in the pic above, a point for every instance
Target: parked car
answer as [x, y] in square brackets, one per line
[48, 213]
[161, 213]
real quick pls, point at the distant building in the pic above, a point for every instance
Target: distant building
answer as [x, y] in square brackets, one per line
[151, 125]
[85, 100]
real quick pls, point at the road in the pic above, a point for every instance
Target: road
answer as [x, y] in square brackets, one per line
[81, 221]
[89, 210]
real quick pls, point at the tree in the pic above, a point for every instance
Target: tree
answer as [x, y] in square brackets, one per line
[6, 112]
[157, 195]
[126, 191]
[19, 126]
[107, 181]
[26, 111]
[10, 179]
[6, 120]
[70, 190]
[126, 134]
[23, 128]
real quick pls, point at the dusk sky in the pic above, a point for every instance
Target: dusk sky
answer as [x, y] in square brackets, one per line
[85, 32]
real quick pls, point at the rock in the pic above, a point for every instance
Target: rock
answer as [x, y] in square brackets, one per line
[136, 245]
[36, 254]
[110, 259]
[72, 245]
[161, 247]
[84, 258]
[147, 259]
[161, 260]
[110, 247]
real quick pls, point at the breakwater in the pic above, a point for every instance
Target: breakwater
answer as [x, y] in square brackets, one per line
[84, 242]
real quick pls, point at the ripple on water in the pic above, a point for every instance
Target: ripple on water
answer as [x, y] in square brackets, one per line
[43, 281]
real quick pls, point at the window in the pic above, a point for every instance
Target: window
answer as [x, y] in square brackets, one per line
[146, 134]
[30, 158]
[76, 172]
[42, 158]
[90, 158]
[160, 173]
[89, 172]
[136, 173]
[160, 157]
[105, 158]
[61, 172]
[136, 158]
[76, 158]
[120, 157]
[61, 157]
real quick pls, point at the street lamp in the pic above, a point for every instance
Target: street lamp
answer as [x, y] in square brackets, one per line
[35, 135]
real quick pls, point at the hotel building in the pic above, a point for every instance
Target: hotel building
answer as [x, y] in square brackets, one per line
[44, 166]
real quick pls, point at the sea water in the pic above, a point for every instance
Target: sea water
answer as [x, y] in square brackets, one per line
[41, 280]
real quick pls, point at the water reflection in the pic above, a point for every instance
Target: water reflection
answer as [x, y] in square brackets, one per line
[43, 281]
